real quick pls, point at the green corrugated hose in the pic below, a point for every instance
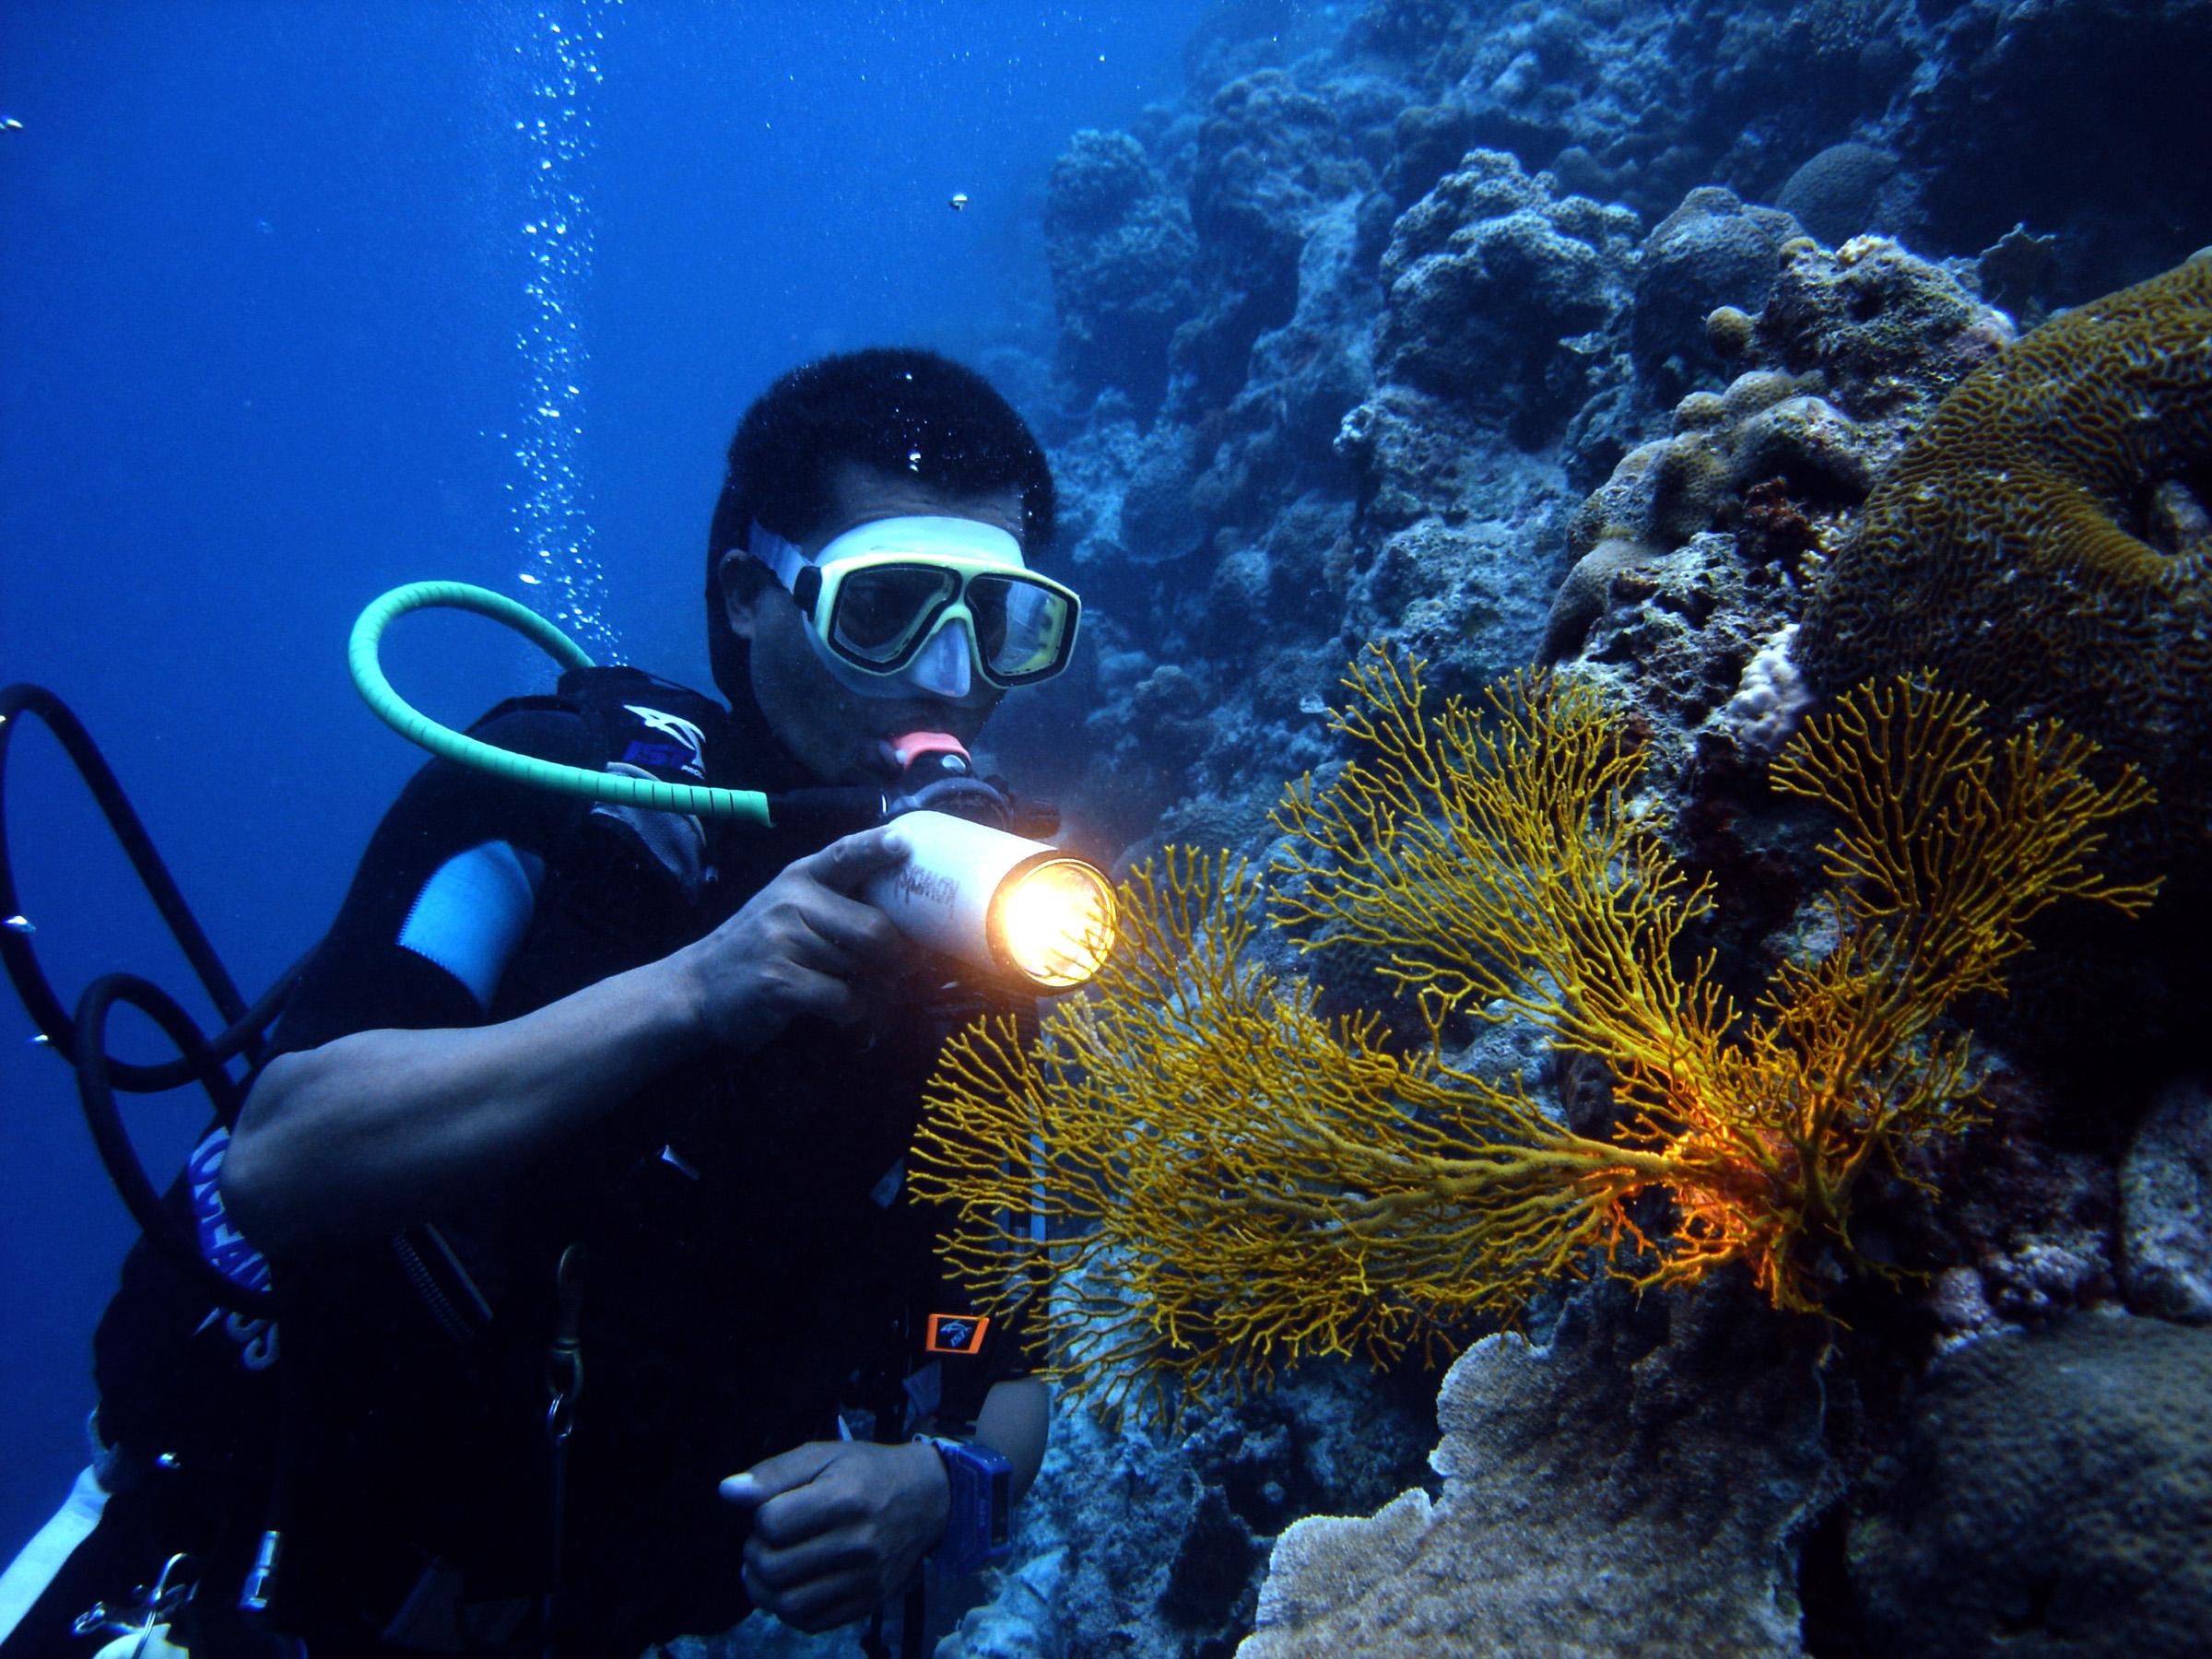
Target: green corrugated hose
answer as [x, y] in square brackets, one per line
[419, 728]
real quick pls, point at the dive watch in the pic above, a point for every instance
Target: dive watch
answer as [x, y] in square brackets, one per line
[979, 1527]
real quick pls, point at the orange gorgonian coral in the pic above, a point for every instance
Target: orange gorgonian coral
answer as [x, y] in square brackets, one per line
[1211, 1179]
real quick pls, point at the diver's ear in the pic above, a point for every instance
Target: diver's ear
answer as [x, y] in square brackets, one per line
[740, 598]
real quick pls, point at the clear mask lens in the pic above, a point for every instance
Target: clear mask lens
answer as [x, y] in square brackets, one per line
[1020, 627]
[880, 611]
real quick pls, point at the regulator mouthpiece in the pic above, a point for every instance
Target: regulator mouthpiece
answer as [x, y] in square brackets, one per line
[999, 902]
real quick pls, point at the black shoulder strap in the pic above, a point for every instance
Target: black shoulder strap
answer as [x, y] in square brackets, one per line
[639, 719]
[648, 723]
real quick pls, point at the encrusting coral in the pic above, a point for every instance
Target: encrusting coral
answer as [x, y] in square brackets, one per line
[1216, 1180]
[2025, 543]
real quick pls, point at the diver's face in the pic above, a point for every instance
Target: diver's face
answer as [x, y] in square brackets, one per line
[839, 735]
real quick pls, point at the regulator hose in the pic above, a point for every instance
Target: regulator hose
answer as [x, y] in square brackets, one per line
[615, 788]
[82, 1040]
[204, 1058]
[95, 1088]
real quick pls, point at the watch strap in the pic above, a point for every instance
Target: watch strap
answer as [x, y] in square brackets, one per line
[978, 1482]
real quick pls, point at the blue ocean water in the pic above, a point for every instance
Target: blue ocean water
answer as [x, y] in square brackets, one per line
[285, 320]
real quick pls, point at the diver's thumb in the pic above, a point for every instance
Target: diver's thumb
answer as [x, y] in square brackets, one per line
[779, 1474]
[746, 1489]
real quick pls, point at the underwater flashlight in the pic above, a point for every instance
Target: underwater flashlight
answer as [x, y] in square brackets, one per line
[998, 901]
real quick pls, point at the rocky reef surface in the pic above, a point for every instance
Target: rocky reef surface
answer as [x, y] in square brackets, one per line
[1640, 1477]
[1592, 336]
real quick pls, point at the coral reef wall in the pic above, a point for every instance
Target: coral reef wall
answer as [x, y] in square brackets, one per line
[1596, 336]
[1347, 332]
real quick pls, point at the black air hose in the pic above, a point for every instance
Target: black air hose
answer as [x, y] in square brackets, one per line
[81, 1040]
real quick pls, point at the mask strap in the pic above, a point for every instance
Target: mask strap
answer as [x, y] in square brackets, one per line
[782, 557]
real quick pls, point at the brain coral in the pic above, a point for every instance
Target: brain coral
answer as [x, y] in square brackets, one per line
[2042, 544]
[2053, 1497]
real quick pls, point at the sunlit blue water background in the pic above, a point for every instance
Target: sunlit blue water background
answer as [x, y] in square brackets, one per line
[282, 314]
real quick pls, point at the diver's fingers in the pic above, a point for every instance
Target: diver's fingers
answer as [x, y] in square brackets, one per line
[846, 863]
[859, 931]
[815, 1602]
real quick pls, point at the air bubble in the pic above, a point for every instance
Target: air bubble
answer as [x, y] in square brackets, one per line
[549, 512]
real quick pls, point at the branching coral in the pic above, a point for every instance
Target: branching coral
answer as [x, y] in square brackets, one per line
[1215, 1180]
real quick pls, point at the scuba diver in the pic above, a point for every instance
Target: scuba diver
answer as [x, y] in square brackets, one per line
[556, 1291]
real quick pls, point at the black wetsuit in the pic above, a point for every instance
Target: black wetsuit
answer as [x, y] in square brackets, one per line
[747, 1270]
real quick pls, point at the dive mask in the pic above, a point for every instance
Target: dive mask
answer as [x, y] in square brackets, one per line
[900, 603]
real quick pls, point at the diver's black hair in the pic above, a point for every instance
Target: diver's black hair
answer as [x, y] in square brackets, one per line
[895, 409]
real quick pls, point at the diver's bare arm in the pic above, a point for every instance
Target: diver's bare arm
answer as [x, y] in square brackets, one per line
[373, 1131]
[383, 1128]
[1015, 1421]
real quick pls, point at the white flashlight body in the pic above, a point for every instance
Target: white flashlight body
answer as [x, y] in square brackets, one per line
[941, 896]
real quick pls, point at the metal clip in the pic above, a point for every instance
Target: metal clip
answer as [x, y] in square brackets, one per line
[564, 1358]
[156, 1608]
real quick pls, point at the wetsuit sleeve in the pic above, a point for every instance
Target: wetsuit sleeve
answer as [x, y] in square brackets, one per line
[443, 894]
[973, 1352]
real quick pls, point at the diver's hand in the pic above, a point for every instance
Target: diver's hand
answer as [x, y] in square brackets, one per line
[802, 945]
[839, 1527]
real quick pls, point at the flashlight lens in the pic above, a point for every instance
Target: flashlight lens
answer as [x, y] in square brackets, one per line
[1054, 922]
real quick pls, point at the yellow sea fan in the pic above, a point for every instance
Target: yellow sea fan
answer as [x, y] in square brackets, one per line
[1209, 1180]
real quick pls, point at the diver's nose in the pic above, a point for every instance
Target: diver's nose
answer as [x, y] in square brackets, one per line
[941, 667]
